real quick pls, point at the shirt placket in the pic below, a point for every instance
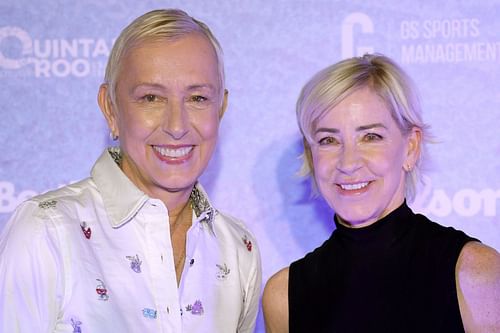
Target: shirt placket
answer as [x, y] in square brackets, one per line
[162, 269]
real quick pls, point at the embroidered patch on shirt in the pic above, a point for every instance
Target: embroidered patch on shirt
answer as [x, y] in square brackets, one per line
[149, 313]
[76, 326]
[102, 291]
[47, 204]
[135, 263]
[247, 242]
[223, 272]
[86, 230]
[195, 309]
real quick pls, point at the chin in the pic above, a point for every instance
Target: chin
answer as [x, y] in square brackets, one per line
[355, 215]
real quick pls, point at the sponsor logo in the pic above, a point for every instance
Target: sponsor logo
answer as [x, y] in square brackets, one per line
[20, 54]
[445, 41]
[355, 22]
[465, 202]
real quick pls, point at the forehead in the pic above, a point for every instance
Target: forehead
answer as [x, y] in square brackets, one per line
[362, 107]
[188, 55]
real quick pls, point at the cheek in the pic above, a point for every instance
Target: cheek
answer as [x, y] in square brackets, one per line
[323, 164]
[138, 123]
[386, 161]
[207, 127]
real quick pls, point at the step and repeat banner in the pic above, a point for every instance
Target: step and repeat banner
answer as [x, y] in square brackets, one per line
[52, 60]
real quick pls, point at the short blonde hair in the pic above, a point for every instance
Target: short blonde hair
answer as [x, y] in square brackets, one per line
[168, 24]
[333, 84]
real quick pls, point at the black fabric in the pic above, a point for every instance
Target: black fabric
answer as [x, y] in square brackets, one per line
[396, 275]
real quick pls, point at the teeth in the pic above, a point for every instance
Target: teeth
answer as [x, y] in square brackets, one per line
[353, 186]
[169, 152]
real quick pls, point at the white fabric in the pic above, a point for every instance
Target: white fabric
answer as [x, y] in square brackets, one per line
[103, 234]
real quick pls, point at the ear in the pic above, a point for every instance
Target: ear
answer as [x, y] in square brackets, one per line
[108, 108]
[224, 104]
[414, 145]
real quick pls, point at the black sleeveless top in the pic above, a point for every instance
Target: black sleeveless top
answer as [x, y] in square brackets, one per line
[396, 275]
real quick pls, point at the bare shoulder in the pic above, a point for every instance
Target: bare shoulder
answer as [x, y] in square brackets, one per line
[478, 287]
[275, 302]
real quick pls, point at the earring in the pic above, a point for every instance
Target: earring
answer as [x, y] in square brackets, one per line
[112, 136]
[408, 167]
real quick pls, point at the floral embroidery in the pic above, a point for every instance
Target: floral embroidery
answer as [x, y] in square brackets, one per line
[204, 212]
[47, 204]
[135, 263]
[223, 272]
[149, 313]
[86, 230]
[247, 242]
[76, 326]
[116, 154]
[102, 291]
[195, 309]
[206, 216]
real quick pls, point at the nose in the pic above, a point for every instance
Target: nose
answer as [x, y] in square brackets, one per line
[175, 120]
[350, 159]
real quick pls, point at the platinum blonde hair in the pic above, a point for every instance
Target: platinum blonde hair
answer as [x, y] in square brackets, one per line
[162, 24]
[333, 84]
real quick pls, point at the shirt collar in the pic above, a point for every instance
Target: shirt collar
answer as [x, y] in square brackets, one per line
[203, 209]
[122, 199]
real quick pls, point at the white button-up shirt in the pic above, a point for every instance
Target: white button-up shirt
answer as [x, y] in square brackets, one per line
[96, 256]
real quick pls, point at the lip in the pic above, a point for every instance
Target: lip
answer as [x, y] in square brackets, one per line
[353, 188]
[183, 158]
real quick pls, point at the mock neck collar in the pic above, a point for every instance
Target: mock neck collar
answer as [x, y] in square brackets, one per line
[386, 230]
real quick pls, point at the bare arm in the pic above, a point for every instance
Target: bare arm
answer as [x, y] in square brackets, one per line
[478, 288]
[275, 303]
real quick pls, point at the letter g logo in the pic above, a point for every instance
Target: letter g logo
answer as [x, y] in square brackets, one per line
[347, 32]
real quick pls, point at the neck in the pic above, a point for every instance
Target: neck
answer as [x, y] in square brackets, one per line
[180, 212]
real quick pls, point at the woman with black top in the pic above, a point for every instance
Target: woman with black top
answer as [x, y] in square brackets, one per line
[384, 268]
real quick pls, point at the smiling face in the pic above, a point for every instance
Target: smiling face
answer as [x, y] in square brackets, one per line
[167, 112]
[359, 155]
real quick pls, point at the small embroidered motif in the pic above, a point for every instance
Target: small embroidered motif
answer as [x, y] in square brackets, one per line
[248, 243]
[116, 154]
[149, 313]
[195, 309]
[135, 263]
[76, 326]
[191, 262]
[206, 216]
[198, 201]
[102, 291]
[47, 204]
[223, 272]
[86, 230]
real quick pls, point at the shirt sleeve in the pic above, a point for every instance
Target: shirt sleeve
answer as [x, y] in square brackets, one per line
[29, 279]
[252, 292]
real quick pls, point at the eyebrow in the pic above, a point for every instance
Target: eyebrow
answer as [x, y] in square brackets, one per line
[201, 86]
[358, 129]
[190, 87]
